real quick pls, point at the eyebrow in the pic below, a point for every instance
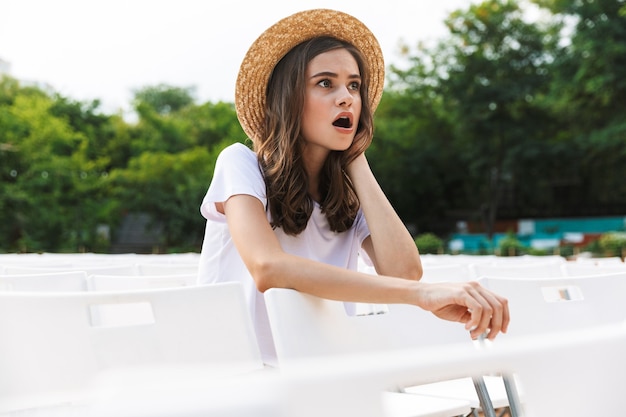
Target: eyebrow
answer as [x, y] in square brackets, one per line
[334, 75]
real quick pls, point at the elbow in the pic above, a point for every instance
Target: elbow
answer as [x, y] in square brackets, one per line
[413, 271]
[406, 270]
[409, 267]
[419, 271]
[264, 274]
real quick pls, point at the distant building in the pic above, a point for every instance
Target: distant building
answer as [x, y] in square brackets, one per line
[546, 233]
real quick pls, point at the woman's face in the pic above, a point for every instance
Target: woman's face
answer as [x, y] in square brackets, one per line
[332, 102]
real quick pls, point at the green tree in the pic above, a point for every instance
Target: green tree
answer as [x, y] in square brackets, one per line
[40, 159]
[588, 98]
[51, 170]
[168, 187]
[467, 110]
[164, 98]
[496, 68]
[412, 156]
[212, 124]
[591, 65]
[170, 155]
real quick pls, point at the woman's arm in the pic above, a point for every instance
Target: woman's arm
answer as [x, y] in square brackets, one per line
[271, 267]
[390, 246]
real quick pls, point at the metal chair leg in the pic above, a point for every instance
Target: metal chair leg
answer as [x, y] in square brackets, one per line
[512, 395]
[483, 397]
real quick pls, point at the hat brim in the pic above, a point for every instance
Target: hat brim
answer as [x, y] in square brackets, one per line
[280, 38]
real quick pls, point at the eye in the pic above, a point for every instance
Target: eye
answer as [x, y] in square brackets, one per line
[356, 86]
[324, 83]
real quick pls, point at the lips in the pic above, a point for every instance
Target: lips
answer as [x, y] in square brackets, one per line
[344, 121]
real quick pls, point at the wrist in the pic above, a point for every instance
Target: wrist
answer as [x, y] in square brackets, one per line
[414, 292]
[358, 165]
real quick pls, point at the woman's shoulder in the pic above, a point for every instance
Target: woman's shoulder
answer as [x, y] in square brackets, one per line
[237, 150]
[238, 158]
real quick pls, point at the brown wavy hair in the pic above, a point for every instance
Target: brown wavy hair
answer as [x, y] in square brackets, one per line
[279, 150]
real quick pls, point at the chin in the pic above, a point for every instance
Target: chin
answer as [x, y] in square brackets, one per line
[345, 144]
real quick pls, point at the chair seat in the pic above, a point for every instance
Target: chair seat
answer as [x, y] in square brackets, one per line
[398, 404]
[463, 388]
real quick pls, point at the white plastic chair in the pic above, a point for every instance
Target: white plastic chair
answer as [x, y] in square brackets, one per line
[446, 273]
[45, 282]
[583, 268]
[606, 261]
[573, 373]
[54, 344]
[545, 305]
[178, 268]
[189, 392]
[528, 259]
[304, 326]
[461, 259]
[518, 269]
[138, 282]
[89, 269]
[560, 369]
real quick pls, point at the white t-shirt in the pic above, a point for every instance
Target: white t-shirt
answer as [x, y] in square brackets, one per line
[237, 172]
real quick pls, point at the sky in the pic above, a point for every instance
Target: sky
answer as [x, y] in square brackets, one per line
[96, 49]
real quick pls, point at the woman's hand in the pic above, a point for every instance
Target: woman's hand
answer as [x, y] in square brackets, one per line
[481, 310]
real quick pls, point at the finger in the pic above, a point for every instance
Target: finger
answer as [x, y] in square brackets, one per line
[506, 317]
[481, 314]
[500, 316]
[503, 317]
[475, 310]
[496, 324]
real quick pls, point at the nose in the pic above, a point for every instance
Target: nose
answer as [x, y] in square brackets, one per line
[344, 97]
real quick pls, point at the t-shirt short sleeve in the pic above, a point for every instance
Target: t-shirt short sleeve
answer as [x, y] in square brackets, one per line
[362, 230]
[236, 172]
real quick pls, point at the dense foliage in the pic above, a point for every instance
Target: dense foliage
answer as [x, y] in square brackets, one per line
[506, 117]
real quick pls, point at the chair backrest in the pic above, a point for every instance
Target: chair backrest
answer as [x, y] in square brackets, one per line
[463, 259]
[307, 326]
[560, 304]
[138, 282]
[572, 269]
[610, 260]
[528, 259]
[446, 273]
[53, 344]
[578, 373]
[518, 270]
[178, 268]
[89, 269]
[45, 282]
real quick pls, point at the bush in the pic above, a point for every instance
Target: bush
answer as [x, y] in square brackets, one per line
[429, 243]
[612, 244]
[510, 245]
[537, 252]
[566, 251]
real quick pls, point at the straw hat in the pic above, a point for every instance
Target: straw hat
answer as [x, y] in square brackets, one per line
[275, 42]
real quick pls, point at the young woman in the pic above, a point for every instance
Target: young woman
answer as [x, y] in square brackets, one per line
[299, 209]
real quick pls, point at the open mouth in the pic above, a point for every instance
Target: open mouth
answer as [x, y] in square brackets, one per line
[343, 122]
